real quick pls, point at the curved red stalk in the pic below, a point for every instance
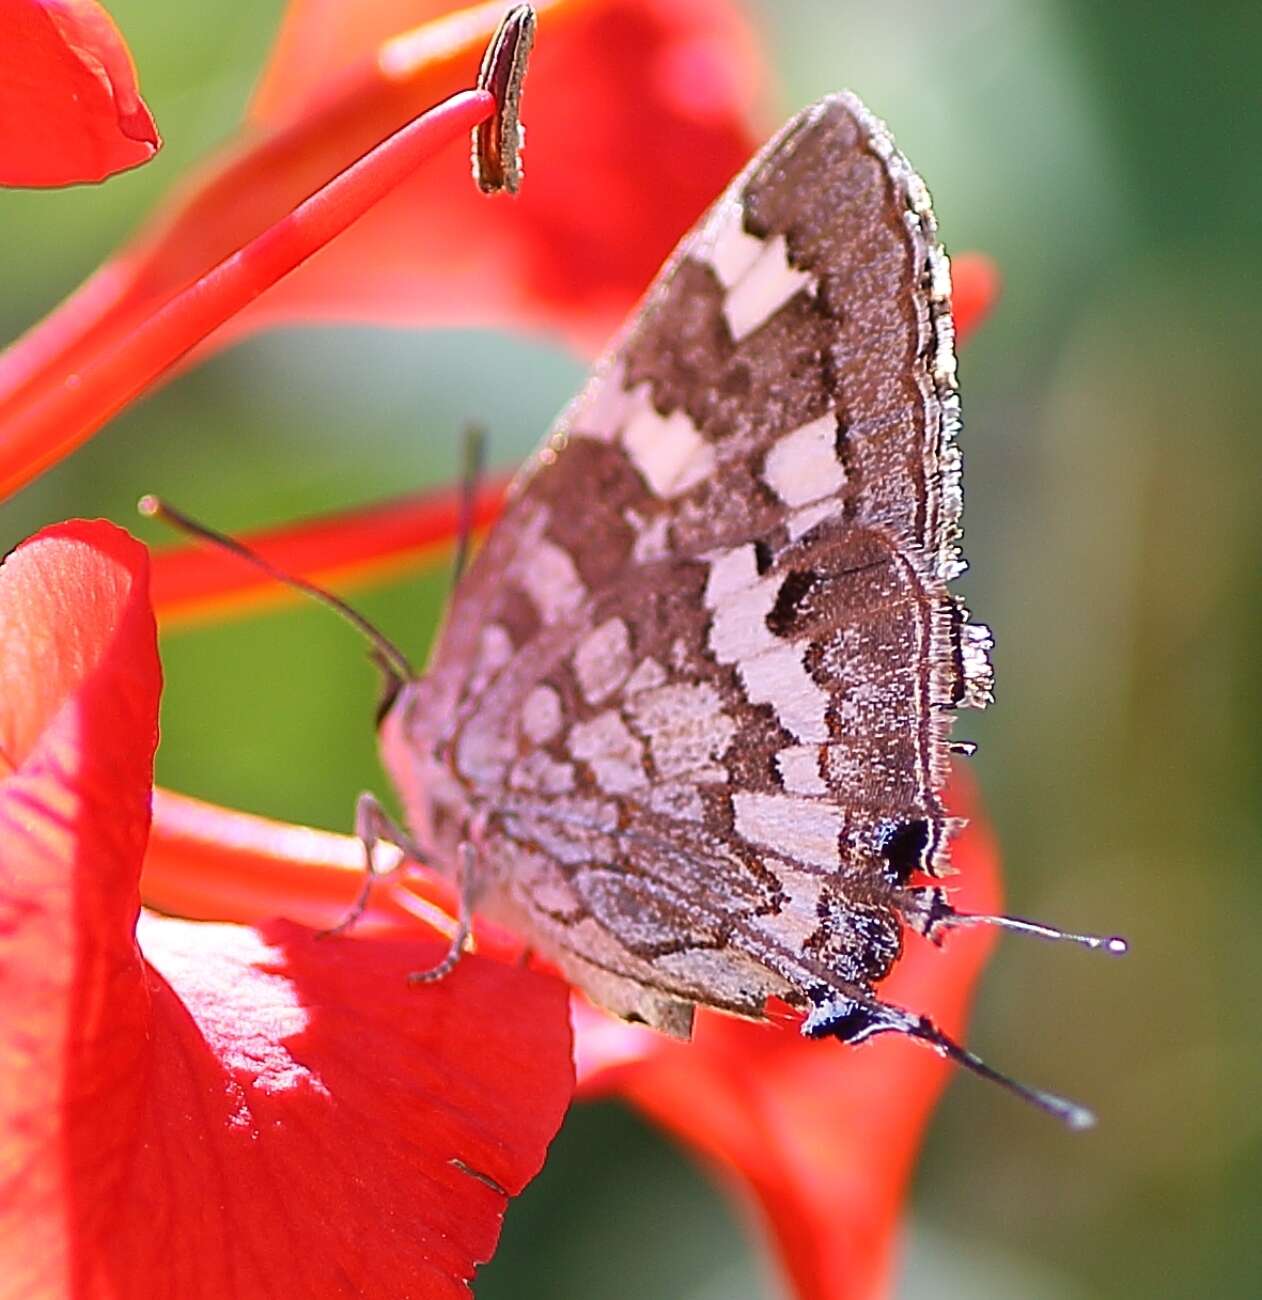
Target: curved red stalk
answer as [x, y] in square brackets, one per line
[49, 420]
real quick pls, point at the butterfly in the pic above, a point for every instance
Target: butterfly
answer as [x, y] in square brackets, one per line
[687, 725]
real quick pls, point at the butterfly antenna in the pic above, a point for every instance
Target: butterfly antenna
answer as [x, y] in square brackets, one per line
[941, 913]
[858, 1016]
[385, 654]
[474, 455]
[1068, 1112]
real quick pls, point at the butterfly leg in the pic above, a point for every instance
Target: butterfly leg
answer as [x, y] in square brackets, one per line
[468, 881]
[373, 826]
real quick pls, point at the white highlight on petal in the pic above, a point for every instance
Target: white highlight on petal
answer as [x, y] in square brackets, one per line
[667, 450]
[763, 289]
[797, 828]
[798, 766]
[779, 678]
[603, 660]
[250, 1016]
[802, 465]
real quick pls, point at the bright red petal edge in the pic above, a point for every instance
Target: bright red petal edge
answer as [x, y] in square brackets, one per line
[239, 1110]
[70, 108]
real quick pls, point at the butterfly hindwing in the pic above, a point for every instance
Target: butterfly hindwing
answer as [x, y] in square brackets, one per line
[693, 693]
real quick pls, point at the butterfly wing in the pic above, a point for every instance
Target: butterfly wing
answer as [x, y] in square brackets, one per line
[693, 695]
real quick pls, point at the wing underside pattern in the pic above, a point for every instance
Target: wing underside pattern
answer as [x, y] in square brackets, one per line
[697, 686]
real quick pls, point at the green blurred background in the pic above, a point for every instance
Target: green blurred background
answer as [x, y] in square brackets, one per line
[1108, 156]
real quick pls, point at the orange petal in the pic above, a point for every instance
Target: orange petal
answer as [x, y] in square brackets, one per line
[320, 40]
[212, 864]
[215, 864]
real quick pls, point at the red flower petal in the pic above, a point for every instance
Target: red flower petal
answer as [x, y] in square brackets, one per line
[614, 185]
[70, 109]
[394, 1121]
[820, 1138]
[975, 287]
[257, 1112]
[208, 863]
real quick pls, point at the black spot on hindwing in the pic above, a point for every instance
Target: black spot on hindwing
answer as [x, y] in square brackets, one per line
[904, 849]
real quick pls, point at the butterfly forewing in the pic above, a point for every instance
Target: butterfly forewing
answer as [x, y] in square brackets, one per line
[692, 698]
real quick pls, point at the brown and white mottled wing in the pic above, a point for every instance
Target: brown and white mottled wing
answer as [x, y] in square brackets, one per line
[693, 695]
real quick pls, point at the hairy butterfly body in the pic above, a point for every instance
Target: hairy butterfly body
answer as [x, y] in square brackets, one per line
[687, 723]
